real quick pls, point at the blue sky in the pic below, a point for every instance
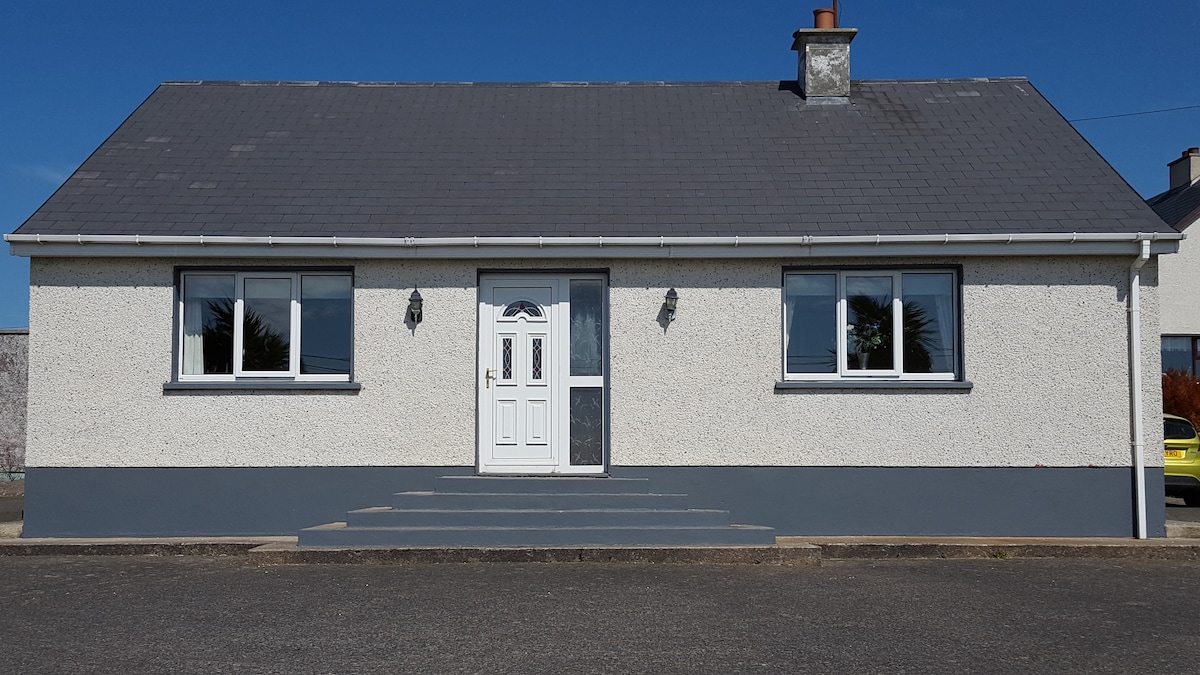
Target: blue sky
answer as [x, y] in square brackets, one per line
[73, 69]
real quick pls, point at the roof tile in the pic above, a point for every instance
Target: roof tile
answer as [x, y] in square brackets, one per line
[305, 159]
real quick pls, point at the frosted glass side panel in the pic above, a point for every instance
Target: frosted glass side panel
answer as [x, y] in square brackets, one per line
[587, 327]
[587, 426]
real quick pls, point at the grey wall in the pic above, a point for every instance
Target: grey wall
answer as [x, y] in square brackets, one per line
[14, 385]
[964, 501]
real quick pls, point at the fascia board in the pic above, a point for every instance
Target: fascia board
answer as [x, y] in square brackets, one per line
[587, 247]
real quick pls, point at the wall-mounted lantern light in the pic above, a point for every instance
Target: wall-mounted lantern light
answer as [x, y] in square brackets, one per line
[414, 307]
[669, 304]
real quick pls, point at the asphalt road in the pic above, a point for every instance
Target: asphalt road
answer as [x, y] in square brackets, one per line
[223, 615]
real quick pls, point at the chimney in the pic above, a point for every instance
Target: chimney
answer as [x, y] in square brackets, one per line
[1185, 170]
[824, 75]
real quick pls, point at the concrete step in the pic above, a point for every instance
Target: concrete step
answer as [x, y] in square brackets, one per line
[474, 501]
[533, 511]
[624, 517]
[338, 535]
[542, 484]
[1180, 529]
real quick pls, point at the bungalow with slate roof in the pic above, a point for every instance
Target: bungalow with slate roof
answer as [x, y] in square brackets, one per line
[827, 306]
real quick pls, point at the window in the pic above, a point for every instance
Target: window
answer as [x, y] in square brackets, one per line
[1180, 353]
[265, 324]
[1178, 430]
[841, 325]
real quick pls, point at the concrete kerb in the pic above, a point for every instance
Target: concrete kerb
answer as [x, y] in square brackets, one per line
[883, 548]
[166, 546]
[789, 551]
[799, 555]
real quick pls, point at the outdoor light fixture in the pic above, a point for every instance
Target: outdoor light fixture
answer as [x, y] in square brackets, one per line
[669, 304]
[414, 307]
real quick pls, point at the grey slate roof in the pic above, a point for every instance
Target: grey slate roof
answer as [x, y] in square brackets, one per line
[440, 160]
[1179, 207]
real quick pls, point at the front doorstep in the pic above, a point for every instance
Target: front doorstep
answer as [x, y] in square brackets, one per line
[490, 511]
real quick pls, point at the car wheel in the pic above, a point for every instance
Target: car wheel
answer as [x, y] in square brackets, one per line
[1192, 499]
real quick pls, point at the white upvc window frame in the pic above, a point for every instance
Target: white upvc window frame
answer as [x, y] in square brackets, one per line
[239, 350]
[844, 373]
[295, 342]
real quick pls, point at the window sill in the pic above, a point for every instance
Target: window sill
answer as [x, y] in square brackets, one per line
[261, 385]
[925, 385]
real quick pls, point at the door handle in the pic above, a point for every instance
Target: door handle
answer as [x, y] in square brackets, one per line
[488, 377]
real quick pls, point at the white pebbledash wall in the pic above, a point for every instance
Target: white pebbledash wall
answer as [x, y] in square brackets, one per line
[1045, 346]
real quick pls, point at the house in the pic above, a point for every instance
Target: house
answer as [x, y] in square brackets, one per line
[1179, 275]
[258, 305]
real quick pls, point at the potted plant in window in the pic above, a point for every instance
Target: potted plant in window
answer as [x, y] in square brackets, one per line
[865, 336]
[870, 336]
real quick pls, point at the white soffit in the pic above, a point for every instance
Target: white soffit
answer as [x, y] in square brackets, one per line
[202, 246]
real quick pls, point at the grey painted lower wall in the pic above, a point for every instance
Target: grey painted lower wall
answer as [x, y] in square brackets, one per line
[1078, 502]
[1018, 502]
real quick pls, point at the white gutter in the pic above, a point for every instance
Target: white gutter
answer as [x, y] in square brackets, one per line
[1135, 386]
[585, 247]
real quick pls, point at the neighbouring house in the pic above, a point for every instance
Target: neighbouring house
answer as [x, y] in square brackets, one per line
[14, 352]
[1179, 275]
[827, 306]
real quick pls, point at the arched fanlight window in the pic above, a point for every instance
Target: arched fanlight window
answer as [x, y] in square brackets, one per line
[529, 308]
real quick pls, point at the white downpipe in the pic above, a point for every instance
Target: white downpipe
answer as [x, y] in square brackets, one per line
[1135, 386]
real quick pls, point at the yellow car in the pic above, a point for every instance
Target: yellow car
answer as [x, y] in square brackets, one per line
[1181, 457]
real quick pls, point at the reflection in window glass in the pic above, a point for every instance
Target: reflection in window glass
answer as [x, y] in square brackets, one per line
[811, 323]
[587, 426]
[325, 323]
[869, 323]
[1177, 430]
[267, 325]
[1178, 353]
[587, 327]
[208, 324]
[929, 326]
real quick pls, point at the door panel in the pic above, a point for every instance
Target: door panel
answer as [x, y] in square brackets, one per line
[537, 422]
[506, 422]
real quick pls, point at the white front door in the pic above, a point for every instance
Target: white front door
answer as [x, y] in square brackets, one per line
[541, 406]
